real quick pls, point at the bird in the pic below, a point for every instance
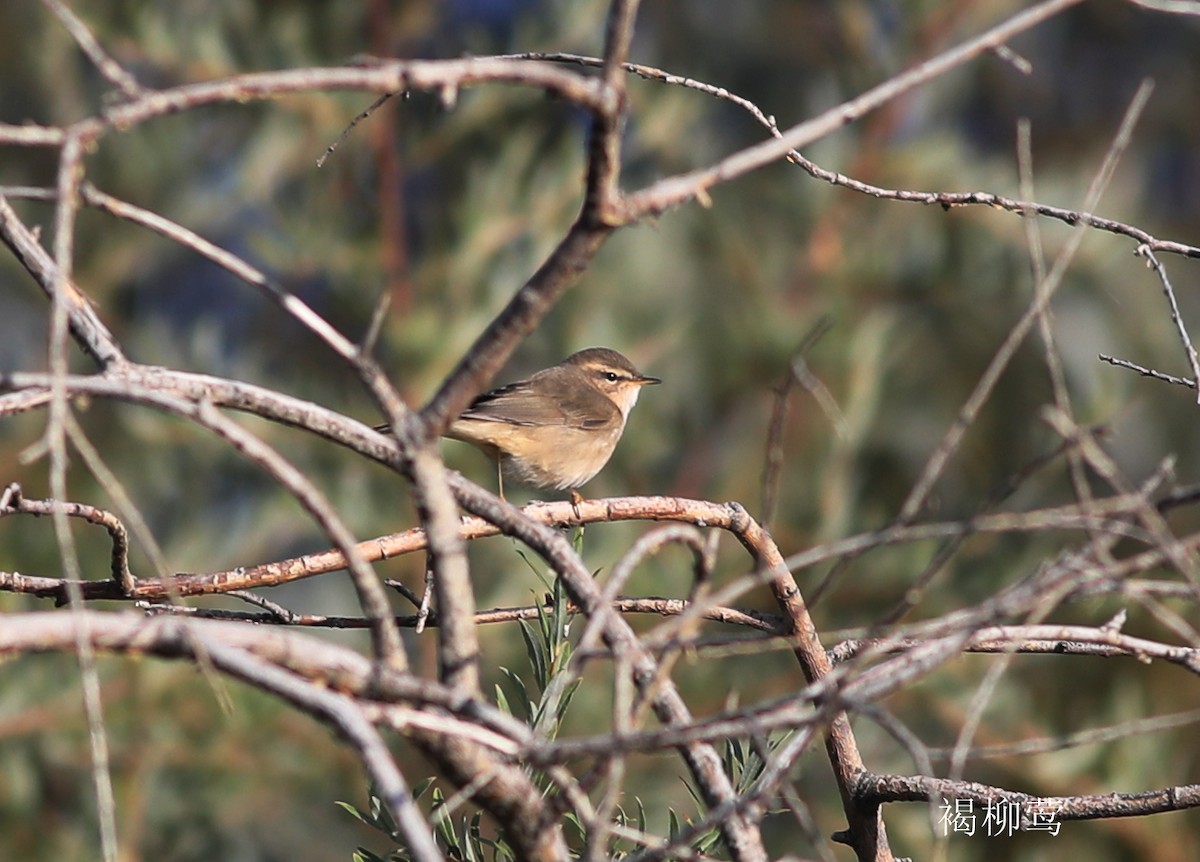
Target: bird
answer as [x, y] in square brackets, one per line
[558, 428]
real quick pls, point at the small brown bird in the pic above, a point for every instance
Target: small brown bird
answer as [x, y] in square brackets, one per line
[558, 428]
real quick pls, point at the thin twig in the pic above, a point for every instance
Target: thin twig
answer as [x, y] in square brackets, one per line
[366, 112]
[1050, 352]
[950, 443]
[1144, 250]
[105, 64]
[946, 200]
[1094, 736]
[90, 333]
[16, 502]
[672, 191]
[798, 373]
[70, 174]
[1147, 372]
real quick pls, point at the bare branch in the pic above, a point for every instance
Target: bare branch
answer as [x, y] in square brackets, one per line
[14, 502]
[1152, 261]
[351, 722]
[950, 442]
[91, 334]
[673, 191]
[740, 833]
[105, 64]
[920, 788]
[944, 199]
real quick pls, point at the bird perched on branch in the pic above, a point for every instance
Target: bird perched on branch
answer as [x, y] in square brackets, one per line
[558, 428]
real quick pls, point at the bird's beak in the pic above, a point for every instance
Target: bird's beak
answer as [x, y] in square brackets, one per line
[648, 381]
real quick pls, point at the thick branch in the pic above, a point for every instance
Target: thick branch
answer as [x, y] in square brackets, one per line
[877, 789]
[508, 795]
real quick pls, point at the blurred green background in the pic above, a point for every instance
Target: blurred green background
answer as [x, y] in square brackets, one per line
[449, 209]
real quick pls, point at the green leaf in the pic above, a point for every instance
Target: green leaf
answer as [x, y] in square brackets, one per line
[442, 821]
[576, 824]
[502, 700]
[566, 698]
[384, 816]
[707, 841]
[523, 700]
[735, 756]
[422, 787]
[354, 812]
[561, 617]
[536, 653]
[469, 847]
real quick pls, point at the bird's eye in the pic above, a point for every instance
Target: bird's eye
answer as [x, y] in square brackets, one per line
[610, 376]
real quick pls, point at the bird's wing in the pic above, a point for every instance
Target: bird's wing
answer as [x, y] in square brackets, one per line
[520, 404]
